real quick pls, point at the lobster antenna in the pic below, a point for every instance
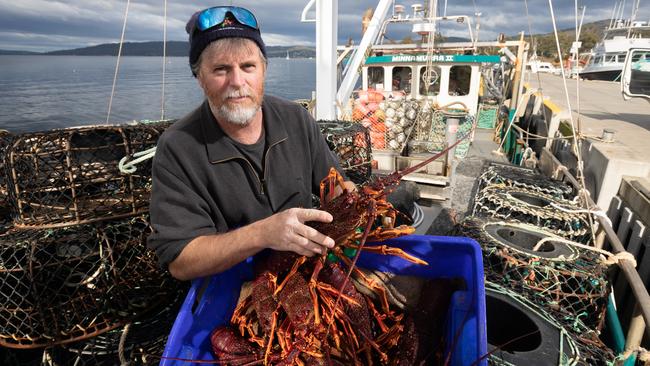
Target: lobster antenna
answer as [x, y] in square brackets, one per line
[436, 156]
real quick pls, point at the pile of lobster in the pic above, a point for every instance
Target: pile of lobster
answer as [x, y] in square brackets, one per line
[306, 311]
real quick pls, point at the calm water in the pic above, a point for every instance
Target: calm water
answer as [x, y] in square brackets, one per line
[45, 92]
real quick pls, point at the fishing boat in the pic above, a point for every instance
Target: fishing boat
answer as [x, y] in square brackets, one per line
[621, 35]
[532, 131]
[547, 298]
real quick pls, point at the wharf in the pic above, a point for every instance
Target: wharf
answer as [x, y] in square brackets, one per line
[602, 107]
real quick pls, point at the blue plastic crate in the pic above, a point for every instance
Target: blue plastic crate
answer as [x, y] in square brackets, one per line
[448, 257]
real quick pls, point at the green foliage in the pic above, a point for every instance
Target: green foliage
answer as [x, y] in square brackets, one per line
[590, 34]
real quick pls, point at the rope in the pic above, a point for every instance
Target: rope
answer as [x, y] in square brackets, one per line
[164, 67]
[128, 167]
[120, 347]
[512, 120]
[540, 137]
[610, 259]
[418, 215]
[532, 42]
[600, 213]
[578, 144]
[117, 65]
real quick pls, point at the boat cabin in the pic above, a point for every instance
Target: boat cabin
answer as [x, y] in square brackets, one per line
[453, 79]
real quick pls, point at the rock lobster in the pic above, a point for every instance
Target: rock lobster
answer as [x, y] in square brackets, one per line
[312, 314]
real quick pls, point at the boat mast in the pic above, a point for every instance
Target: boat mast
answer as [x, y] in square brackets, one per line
[635, 10]
[359, 55]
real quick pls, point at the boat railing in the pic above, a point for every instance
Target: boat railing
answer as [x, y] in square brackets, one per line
[607, 237]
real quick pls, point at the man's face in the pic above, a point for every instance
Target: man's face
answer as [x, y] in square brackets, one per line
[232, 79]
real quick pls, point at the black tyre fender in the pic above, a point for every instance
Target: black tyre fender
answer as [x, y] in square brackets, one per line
[518, 334]
[538, 127]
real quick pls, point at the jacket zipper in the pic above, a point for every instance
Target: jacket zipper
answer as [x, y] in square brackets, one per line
[264, 161]
[261, 181]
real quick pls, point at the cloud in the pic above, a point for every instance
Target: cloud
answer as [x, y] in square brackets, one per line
[45, 25]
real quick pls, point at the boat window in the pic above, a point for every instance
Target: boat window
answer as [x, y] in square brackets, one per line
[610, 57]
[620, 57]
[639, 55]
[402, 79]
[375, 77]
[598, 60]
[459, 77]
[430, 82]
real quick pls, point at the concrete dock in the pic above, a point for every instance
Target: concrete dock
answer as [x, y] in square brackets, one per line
[601, 106]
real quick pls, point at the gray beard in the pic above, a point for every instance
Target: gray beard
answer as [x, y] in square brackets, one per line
[239, 116]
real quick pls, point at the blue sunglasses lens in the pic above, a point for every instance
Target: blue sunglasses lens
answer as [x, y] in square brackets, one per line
[215, 16]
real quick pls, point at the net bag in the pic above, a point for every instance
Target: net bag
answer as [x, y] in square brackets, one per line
[68, 284]
[351, 143]
[71, 176]
[556, 275]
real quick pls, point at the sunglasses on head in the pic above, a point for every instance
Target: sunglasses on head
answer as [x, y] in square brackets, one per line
[211, 17]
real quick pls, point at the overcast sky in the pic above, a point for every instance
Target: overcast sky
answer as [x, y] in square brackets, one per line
[47, 25]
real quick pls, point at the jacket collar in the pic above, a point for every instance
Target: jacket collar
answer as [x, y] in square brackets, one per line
[214, 137]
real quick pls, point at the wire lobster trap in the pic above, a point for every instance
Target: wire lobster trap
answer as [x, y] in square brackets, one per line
[71, 176]
[433, 131]
[521, 332]
[140, 342]
[5, 212]
[562, 217]
[514, 176]
[68, 284]
[351, 143]
[545, 268]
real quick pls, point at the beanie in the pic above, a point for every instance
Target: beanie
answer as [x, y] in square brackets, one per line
[231, 28]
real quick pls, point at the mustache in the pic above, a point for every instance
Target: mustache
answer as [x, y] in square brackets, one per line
[237, 93]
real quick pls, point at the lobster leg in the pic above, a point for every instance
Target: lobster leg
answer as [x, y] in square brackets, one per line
[313, 283]
[378, 289]
[386, 250]
[332, 180]
[291, 273]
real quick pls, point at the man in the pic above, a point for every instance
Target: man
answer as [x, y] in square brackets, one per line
[230, 178]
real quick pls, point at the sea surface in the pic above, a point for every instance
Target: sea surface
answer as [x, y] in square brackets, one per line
[45, 92]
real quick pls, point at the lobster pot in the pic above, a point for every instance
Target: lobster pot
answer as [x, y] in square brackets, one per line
[430, 135]
[71, 176]
[520, 177]
[520, 332]
[551, 273]
[351, 143]
[68, 284]
[519, 204]
[144, 338]
[5, 139]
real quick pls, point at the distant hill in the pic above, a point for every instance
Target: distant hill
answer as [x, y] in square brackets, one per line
[14, 52]
[590, 34]
[544, 44]
[174, 48]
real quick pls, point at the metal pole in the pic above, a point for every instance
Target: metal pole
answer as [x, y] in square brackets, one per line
[326, 41]
[359, 56]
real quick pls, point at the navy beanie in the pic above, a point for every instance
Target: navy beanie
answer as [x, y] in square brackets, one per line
[199, 40]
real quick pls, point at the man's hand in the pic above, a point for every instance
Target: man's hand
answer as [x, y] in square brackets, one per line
[286, 231]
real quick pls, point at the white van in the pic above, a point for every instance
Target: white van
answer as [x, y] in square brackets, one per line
[541, 66]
